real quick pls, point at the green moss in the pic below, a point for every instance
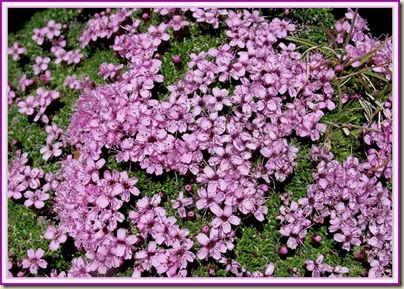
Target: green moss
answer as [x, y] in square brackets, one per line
[312, 23]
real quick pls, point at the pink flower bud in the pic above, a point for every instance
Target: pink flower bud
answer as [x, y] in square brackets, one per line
[176, 59]
[205, 229]
[188, 188]
[157, 56]
[283, 251]
[316, 239]
[338, 68]
[191, 215]
[145, 16]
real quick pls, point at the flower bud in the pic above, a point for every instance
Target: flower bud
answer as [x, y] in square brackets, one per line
[176, 59]
[205, 229]
[188, 188]
[145, 16]
[191, 215]
[316, 239]
[338, 68]
[283, 251]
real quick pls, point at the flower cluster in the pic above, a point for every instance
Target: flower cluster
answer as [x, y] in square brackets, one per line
[51, 30]
[53, 145]
[104, 25]
[32, 183]
[37, 105]
[358, 209]
[318, 268]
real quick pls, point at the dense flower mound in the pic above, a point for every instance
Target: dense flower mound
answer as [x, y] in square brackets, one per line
[230, 124]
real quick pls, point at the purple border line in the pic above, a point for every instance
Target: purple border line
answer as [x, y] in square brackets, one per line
[214, 1]
[306, 284]
[399, 142]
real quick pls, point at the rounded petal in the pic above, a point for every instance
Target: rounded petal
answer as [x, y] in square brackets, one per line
[202, 239]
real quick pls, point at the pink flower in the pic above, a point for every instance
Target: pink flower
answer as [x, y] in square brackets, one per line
[145, 257]
[72, 81]
[16, 50]
[224, 218]
[211, 246]
[56, 235]
[207, 199]
[317, 268]
[219, 99]
[27, 106]
[269, 270]
[166, 263]
[79, 268]
[51, 150]
[122, 245]
[53, 29]
[46, 77]
[176, 23]
[34, 260]
[73, 56]
[41, 64]
[158, 33]
[35, 198]
[39, 35]
[180, 203]
[25, 82]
